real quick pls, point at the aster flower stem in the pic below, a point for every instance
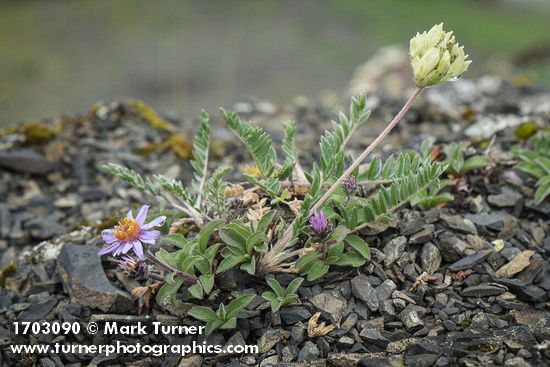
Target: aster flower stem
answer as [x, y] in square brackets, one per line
[273, 257]
[187, 278]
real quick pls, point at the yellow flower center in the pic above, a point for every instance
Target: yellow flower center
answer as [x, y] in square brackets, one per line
[127, 229]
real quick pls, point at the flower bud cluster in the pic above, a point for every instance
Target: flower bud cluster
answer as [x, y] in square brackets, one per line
[436, 57]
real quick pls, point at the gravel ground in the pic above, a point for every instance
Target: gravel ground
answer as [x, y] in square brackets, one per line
[465, 285]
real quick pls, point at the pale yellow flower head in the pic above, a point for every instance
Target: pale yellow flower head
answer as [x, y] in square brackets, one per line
[436, 57]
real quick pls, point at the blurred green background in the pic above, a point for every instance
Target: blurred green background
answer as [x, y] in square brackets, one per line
[62, 56]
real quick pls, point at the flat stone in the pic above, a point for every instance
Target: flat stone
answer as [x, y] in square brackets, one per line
[192, 361]
[269, 339]
[487, 219]
[483, 290]
[385, 290]
[516, 265]
[459, 224]
[37, 311]
[309, 352]
[422, 236]
[272, 361]
[346, 326]
[421, 360]
[330, 306]
[508, 198]
[44, 228]
[394, 249]
[5, 220]
[236, 339]
[26, 161]
[525, 292]
[399, 346]
[469, 261]
[373, 336]
[346, 359]
[430, 258]
[532, 272]
[291, 315]
[411, 320]
[363, 290]
[484, 321]
[84, 280]
[289, 353]
[449, 246]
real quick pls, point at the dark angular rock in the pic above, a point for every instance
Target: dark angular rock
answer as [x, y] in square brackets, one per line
[491, 220]
[430, 258]
[297, 333]
[422, 236]
[309, 352]
[5, 220]
[385, 290]
[84, 280]
[394, 249]
[542, 328]
[25, 160]
[484, 321]
[469, 261]
[529, 293]
[483, 290]
[346, 326]
[448, 243]
[411, 320]
[37, 311]
[459, 224]
[363, 290]
[231, 280]
[330, 306]
[508, 198]
[291, 315]
[269, 339]
[373, 336]
[421, 360]
[44, 228]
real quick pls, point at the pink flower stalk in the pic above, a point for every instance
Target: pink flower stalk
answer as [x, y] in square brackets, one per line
[131, 233]
[320, 225]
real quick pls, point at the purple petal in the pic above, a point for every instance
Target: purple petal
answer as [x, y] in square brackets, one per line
[108, 236]
[129, 215]
[127, 246]
[109, 249]
[138, 249]
[158, 221]
[149, 236]
[142, 215]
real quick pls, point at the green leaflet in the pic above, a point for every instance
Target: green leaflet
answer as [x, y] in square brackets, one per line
[536, 163]
[332, 143]
[259, 144]
[200, 154]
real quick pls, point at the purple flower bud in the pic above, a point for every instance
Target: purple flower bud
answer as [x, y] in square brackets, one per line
[349, 185]
[320, 225]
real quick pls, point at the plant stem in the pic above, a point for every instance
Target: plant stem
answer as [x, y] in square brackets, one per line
[187, 278]
[369, 149]
[272, 256]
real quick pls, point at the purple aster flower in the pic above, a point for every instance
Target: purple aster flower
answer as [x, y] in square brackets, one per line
[320, 225]
[131, 233]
